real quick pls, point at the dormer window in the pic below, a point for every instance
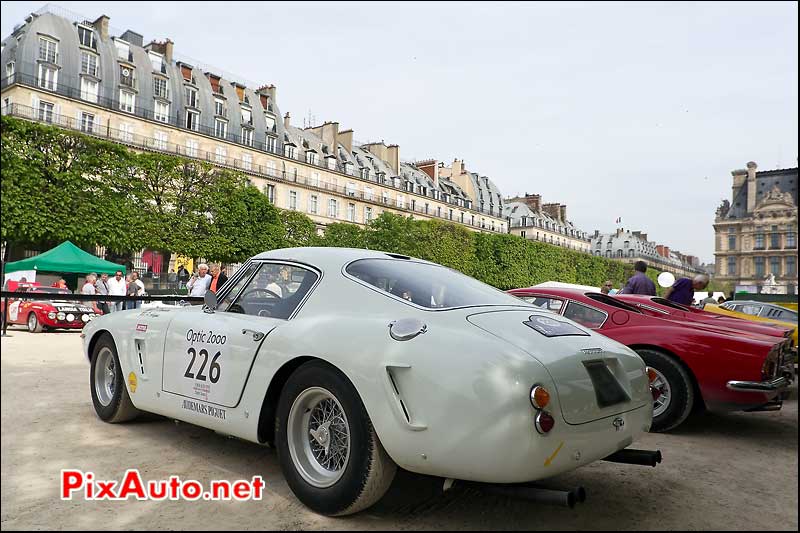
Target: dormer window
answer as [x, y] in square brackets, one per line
[126, 76]
[89, 63]
[219, 108]
[311, 158]
[157, 61]
[123, 50]
[270, 123]
[160, 88]
[86, 37]
[247, 117]
[289, 151]
[191, 96]
[48, 50]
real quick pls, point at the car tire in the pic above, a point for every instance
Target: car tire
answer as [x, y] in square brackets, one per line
[112, 404]
[681, 387]
[34, 326]
[367, 471]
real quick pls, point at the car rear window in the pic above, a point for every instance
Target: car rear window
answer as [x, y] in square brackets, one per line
[427, 285]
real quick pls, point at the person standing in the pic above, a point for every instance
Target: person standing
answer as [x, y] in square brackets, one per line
[183, 276]
[639, 283]
[88, 288]
[101, 288]
[116, 287]
[682, 291]
[218, 278]
[138, 290]
[199, 283]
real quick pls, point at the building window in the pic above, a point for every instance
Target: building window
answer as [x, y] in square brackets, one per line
[791, 240]
[247, 137]
[220, 155]
[332, 163]
[89, 63]
[313, 204]
[127, 101]
[123, 50]
[759, 241]
[289, 151]
[401, 201]
[759, 266]
[192, 147]
[86, 37]
[332, 208]
[351, 212]
[368, 193]
[190, 95]
[89, 89]
[385, 197]
[126, 77]
[160, 138]
[791, 266]
[731, 266]
[775, 265]
[161, 112]
[427, 207]
[247, 161]
[126, 132]
[774, 238]
[247, 117]
[10, 70]
[293, 200]
[271, 169]
[271, 144]
[348, 168]
[367, 214]
[48, 50]
[365, 173]
[87, 122]
[462, 217]
[220, 128]
[311, 158]
[160, 88]
[314, 179]
[192, 120]
[270, 123]
[270, 191]
[219, 107]
[48, 77]
[731, 239]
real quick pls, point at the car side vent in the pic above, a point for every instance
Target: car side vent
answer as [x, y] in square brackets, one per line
[398, 256]
[397, 394]
[140, 353]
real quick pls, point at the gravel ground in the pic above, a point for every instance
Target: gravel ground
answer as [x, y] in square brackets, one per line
[732, 471]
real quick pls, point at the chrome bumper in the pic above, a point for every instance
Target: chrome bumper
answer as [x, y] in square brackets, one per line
[759, 386]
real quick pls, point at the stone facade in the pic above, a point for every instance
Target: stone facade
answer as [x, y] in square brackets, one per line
[530, 219]
[756, 231]
[631, 246]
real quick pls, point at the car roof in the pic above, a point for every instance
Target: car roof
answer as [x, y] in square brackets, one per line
[555, 291]
[328, 257]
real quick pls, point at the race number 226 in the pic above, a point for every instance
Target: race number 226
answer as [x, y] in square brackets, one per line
[213, 369]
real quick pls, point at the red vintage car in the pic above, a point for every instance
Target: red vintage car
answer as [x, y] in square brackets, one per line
[663, 308]
[47, 311]
[696, 365]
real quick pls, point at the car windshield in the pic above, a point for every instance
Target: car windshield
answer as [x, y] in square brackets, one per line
[427, 285]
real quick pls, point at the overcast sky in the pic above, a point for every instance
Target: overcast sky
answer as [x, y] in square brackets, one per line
[637, 111]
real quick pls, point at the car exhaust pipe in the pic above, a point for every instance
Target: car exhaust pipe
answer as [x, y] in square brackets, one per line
[562, 498]
[635, 457]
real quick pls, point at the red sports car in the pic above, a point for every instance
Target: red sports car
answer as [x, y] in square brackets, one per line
[663, 308]
[696, 364]
[48, 312]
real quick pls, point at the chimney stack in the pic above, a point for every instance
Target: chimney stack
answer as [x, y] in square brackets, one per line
[457, 167]
[286, 121]
[346, 139]
[393, 151]
[101, 24]
[751, 186]
[563, 213]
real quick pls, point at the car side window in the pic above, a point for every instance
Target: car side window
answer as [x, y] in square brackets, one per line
[553, 305]
[225, 303]
[585, 315]
[275, 291]
[750, 309]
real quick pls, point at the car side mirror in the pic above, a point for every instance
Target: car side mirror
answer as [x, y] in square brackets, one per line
[210, 301]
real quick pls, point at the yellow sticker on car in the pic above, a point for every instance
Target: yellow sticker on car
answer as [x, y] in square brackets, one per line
[132, 382]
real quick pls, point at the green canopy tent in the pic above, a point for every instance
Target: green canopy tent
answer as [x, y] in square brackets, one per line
[65, 258]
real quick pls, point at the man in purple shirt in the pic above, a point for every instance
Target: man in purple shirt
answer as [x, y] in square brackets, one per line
[682, 291]
[639, 283]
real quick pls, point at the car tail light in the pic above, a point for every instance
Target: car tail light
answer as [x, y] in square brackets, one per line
[540, 397]
[544, 422]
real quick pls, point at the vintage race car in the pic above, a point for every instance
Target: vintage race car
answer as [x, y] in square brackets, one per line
[47, 311]
[354, 362]
[762, 310]
[720, 310]
[696, 364]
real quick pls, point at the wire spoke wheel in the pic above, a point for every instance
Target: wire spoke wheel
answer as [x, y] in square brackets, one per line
[318, 437]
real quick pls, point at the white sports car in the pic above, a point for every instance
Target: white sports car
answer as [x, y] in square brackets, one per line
[354, 362]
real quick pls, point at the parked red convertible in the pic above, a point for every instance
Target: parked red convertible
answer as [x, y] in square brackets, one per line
[48, 312]
[696, 364]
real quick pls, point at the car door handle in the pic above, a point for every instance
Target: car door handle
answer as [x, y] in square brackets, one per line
[257, 335]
